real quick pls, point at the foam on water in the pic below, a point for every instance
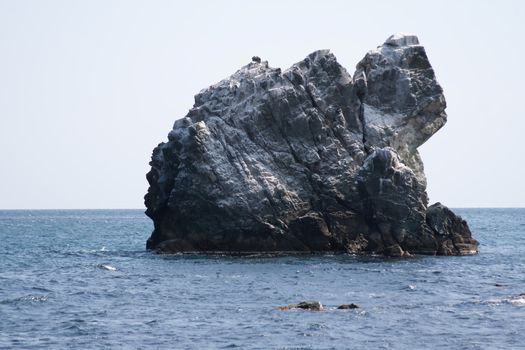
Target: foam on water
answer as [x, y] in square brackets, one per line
[82, 279]
[107, 267]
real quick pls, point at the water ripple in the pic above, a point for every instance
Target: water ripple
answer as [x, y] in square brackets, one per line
[82, 279]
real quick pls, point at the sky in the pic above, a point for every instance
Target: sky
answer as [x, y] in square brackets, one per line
[89, 88]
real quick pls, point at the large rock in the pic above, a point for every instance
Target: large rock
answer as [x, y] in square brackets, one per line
[307, 160]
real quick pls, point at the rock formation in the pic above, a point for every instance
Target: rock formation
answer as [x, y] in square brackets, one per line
[348, 306]
[307, 160]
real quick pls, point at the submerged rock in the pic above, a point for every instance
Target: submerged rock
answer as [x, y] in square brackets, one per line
[307, 160]
[348, 306]
[312, 305]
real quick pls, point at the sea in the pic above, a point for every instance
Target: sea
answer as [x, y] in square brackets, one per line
[82, 279]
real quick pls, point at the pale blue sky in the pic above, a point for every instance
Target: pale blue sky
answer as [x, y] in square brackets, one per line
[88, 88]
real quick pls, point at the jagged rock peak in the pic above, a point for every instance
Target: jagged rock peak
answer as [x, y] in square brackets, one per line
[307, 159]
[402, 40]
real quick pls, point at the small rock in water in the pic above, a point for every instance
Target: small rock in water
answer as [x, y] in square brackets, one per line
[499, 285]
[348, 306]
[107, 267]
[312, 305]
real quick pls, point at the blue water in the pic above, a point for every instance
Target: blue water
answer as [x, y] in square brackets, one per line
[82, 279]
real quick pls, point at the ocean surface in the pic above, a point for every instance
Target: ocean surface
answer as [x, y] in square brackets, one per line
[81, 279]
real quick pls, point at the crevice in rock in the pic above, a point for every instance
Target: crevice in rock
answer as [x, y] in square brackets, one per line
[361, 112]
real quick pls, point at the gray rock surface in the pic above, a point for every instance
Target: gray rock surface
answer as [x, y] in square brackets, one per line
[307, 160]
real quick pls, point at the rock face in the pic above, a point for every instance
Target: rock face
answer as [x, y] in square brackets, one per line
[307, 160]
